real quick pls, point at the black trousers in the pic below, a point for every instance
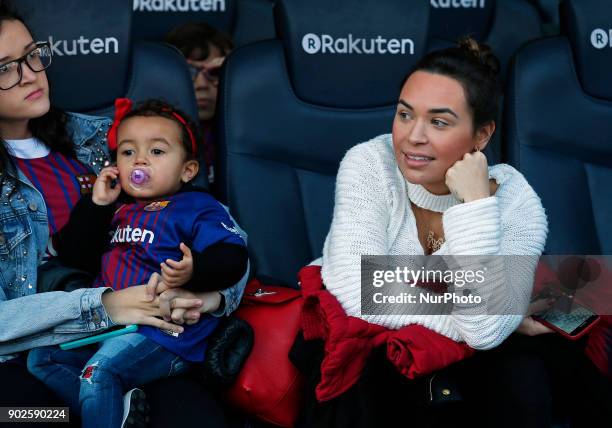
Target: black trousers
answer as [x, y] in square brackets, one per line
[526, 382]
[176, 401]
[543, 380]
[381, 398]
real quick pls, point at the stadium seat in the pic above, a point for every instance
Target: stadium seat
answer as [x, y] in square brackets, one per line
[255, 22]
[290, 108]
[246, 21]
[558, 127]
[95, 61]
[549, 11]
[490, 21]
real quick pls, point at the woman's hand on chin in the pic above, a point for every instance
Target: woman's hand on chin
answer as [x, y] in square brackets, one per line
[468, 178]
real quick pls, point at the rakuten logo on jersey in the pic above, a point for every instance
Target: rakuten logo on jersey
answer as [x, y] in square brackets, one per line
[601, 38]
[179, 5]
[458, 4]
[326, 44]
[127, 234]
[84, 46]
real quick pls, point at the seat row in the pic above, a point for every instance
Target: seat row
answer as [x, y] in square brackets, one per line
[287, 116]
[291, 105]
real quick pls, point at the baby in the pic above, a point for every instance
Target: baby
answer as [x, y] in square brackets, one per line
[162, 225]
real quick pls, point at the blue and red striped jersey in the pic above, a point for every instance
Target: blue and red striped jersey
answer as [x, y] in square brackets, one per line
[144, 235]
[61, 181]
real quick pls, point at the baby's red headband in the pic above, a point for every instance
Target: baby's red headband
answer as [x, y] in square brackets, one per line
[123, 107]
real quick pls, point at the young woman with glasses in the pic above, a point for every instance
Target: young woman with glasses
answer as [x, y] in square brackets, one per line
[37, 59]
[47, 161]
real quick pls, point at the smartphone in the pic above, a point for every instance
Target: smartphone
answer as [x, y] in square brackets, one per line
[114, 332]
[572, 325]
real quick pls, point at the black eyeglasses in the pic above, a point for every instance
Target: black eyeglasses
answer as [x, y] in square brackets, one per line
[211, 74]
[37, 60]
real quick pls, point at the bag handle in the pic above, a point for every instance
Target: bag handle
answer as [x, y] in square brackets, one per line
[257, 293]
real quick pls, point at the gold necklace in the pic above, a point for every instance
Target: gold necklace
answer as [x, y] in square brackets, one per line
[433, 243]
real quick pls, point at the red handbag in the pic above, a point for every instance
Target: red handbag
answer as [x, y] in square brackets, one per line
[269, 386]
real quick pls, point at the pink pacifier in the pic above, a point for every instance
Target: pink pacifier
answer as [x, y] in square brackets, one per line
[139, 178]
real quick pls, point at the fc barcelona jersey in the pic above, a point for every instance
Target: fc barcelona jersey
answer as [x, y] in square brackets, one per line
[143, 235]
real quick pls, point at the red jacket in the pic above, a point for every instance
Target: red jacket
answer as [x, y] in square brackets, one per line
[414, 350]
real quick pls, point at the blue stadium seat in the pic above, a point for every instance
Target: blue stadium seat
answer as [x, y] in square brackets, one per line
[255, 22]
[559, 128]
[246, 21]
[494, 22]
[549, 11]
[95, 60]
[290, 108]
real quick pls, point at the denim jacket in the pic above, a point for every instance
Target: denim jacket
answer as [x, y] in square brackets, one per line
[28, 319]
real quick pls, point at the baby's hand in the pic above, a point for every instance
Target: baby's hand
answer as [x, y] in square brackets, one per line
[174, 274]
[103, 193]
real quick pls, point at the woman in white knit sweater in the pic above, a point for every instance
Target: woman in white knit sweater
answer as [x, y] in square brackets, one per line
[427, 189]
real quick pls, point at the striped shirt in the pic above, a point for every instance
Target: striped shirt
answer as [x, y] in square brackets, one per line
[61, 180]
[144, 235]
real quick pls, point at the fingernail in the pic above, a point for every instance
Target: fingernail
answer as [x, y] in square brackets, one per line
[180, 329]
[198, 302]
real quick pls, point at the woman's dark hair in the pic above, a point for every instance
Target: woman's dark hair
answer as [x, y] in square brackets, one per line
[476, 68]
[157, 107]
[49, 128]
[199, 36]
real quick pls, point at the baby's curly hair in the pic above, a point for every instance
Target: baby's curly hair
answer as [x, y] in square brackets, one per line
[161, 108]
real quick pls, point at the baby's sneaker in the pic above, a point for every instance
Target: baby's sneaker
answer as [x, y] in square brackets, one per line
[135, 409]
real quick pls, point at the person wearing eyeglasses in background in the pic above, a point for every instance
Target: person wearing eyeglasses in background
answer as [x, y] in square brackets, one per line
[205, 49]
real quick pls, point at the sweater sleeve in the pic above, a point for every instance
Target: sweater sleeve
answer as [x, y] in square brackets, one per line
[359, 226]
[477, 229]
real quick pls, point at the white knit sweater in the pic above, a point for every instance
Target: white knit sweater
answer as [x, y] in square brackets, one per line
[373, 216]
